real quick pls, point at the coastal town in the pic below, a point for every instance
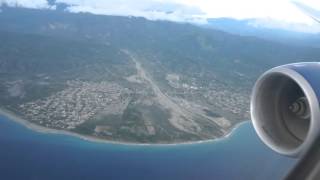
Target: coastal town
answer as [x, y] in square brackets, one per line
[191, 106]
[76, 104]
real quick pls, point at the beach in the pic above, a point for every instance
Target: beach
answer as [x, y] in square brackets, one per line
[10, 115]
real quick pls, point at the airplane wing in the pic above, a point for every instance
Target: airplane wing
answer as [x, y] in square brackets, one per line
[311, 12]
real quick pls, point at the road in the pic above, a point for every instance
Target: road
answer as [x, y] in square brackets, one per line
[181, 118]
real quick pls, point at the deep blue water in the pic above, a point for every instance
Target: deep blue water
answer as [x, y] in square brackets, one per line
[26, 154]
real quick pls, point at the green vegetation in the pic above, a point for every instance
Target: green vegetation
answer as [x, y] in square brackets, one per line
[130, 79]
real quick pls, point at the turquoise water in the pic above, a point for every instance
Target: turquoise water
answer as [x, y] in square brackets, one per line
[26, 154]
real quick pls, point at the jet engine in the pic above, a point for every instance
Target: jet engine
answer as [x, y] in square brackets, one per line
[285, 107]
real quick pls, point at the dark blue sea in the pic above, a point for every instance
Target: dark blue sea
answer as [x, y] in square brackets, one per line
[26, 154]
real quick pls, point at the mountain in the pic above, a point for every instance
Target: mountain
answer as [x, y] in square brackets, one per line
[267, 29]
[130, 79]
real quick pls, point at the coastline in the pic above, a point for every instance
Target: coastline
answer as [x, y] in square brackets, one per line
[13, 117]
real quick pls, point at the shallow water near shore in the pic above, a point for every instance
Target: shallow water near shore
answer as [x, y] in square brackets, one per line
[28, 154]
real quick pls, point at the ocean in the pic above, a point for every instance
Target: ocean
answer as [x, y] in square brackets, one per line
[26, 154]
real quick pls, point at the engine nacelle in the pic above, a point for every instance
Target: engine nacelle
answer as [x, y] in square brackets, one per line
[285, 107]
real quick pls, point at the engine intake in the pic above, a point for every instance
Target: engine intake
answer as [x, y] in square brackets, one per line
[285, 107]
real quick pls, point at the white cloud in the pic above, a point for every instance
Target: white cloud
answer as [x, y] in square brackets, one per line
[191, 10]
[35, 4]
[150, 9]
[282, 10]
[281, 14]
[277, 24]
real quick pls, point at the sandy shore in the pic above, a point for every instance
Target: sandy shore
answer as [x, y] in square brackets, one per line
[42, 129]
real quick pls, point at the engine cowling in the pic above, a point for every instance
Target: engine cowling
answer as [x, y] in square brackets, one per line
[285, 107]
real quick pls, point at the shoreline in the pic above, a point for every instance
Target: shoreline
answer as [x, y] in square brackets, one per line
[13, 117]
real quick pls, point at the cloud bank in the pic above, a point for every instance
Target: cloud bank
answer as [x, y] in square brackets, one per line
[274, 13]
[276, 24]
[150, 9]
[34, 4]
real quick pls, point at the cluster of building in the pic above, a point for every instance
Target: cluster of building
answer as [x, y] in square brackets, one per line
[216, 93]
[78, 103]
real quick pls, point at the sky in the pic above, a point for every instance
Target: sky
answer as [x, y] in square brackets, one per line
[272, 12]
